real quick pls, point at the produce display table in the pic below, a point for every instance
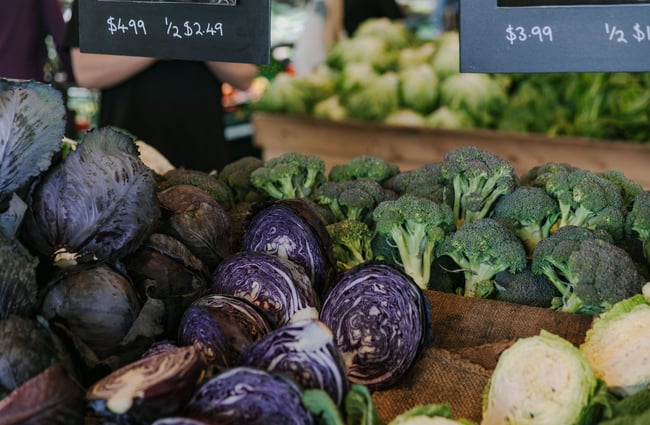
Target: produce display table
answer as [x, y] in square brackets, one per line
[410, 147]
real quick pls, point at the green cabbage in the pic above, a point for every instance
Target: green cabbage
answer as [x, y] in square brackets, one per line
[443, 117]
[481, 96]
[542, 379]
[419, 88]
[378, 99]
[618, 345]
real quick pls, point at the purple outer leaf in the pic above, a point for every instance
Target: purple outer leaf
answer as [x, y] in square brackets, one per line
[380, 320]
[249, 396]
[97, 205]
[32, 126]
[304, 351]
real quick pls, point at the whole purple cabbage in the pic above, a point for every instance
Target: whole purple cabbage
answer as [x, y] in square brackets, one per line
[380, 320]
[222, 326]
[277, 285]
[290, 228]
[97, 205]
[244, 395]
[304, 351]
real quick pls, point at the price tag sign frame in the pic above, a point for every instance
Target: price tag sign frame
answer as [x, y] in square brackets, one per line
[198, 30]
[556, 37]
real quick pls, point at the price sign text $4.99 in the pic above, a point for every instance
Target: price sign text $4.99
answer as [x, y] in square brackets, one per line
[136, 26]
[522, 34]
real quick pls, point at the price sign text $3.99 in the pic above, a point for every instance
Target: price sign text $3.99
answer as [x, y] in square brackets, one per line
[522, 34]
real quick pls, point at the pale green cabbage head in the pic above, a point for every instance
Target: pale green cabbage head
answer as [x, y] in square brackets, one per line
[543, 379]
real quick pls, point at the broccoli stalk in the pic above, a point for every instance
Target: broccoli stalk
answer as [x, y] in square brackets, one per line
[482, 249]
[290, 175]
[478, 178]
[364, 166]
[590, 272]
[413, 226]
[351, 243]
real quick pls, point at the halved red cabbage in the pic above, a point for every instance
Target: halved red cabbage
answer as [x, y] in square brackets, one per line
[305, 351]
[278, 286]
[18, 284]
[221, 326]
[150, 388]
[177, 420]
[380, 320]
[289, 228]
[49, 398]
[32, 125]
[244, 395]
[97, 205]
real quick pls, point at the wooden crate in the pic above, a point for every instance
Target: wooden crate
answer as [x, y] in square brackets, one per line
[410, 147]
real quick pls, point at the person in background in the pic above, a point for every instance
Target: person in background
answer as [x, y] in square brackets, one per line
[24, 25]
[357, 11]
[173, 105]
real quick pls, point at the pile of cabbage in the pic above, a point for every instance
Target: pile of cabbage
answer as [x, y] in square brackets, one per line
[131, 297]
[385, 73]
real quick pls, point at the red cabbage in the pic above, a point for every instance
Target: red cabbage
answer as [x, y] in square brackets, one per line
[380, 320]
[276, 285]
[221, 326]
[304, 351]
[244, 395]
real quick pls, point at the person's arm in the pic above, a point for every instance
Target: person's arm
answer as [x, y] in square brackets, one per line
[238, 75]
[99, 71]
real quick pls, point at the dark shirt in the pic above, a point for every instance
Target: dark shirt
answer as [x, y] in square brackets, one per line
[174, 106]
[357, 11]
[22, 45]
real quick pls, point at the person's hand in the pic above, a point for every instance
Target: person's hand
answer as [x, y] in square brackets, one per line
[238, 75]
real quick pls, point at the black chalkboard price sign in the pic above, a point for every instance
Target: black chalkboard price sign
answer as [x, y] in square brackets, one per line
[554, 36]
[220, 30]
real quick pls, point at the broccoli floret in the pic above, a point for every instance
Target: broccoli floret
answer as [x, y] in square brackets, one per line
[364, 166]
[351, 242]
[210, 183]
[414, 226]
[426, 181]
[352, 199]
[588, 200]
[290, 175]
[525, 287]
[530, 213]
[637, 222]
[483, 248]
[537, 176]
[478, 178]
[629, 188]
[237, 175]
[590, 272]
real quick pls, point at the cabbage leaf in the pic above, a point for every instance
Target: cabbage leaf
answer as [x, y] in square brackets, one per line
[97, 205]
[32, 125]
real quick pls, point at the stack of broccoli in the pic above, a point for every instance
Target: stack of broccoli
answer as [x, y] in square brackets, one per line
[557, 237]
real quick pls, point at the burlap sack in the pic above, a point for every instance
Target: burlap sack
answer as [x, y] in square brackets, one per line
[469, 335]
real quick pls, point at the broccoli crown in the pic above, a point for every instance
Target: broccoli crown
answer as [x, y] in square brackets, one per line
[537, 176]
[351, 242]
[426, 181]
[589, 200]
[478, 178]
[530, 212]
[483, 248]
[638, 219]
[364, 166]
[290, 175]
[629, 189]
[352, 199]
[590, 272]
[237, 175]
[413, 226]
[525, 287]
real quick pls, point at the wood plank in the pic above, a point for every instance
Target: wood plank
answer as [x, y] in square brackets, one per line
[410, 147]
